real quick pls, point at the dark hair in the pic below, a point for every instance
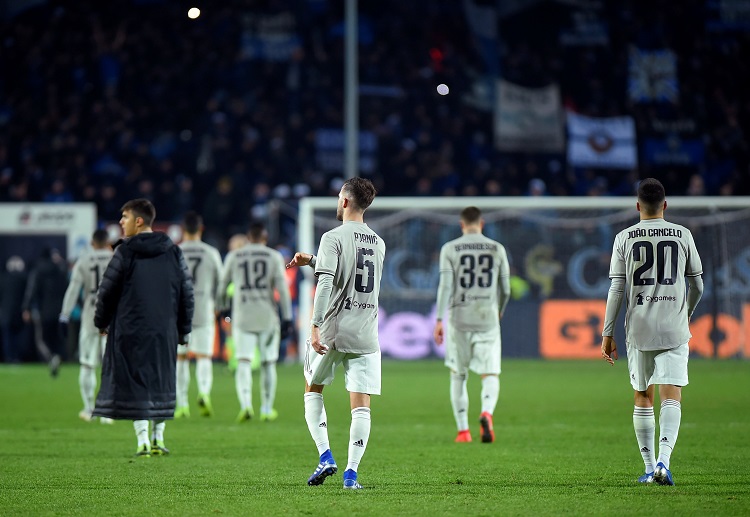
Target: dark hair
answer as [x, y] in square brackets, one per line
[361, 190]
[256, 230]
[142, 208]
[100, 237]
[192, 222]
[651, 195]
[471, 215]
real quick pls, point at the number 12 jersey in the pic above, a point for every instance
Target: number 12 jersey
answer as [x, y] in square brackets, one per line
[654, 257]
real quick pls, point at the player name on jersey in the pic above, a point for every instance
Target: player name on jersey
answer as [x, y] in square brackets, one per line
[654, 232]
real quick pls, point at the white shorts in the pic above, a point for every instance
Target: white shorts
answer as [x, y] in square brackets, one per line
[201, 341]
[658, 367]
[361, 371]
[91, 348]
[475, 351]
[267, 342]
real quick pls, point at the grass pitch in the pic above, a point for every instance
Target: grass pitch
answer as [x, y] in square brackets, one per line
[565, 445]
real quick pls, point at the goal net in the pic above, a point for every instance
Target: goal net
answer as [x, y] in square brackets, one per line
[559, 251]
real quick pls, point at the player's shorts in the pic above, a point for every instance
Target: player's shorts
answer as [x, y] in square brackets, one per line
[658, 367]
[361, 371]
[201, 341]
[91, 348]
[475, 351]
[266, 342]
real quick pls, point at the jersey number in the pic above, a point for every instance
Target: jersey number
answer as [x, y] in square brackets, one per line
[469, 274]
[365, 267]
[194, 263]
[97, 278]
[644, 250]
[259, 275]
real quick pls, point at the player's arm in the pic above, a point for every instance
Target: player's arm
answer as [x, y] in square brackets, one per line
[695, 291]
[325, 269]
[222, 297]
[445, 291]
[186, 303]
[110, 288]
[614, 303]
[217, 267]
[693, 272]
[285, 299]
[503, 284]
[302, 259]
[72, 292]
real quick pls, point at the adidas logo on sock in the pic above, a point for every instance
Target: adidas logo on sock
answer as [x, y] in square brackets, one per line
[462, 411]
[664, 440]
[323, 424]
[359, 443]
[645, 449]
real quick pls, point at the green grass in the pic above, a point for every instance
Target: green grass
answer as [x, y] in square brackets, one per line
[565, 445]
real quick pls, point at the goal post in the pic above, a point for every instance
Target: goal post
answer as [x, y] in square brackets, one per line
[559, 250]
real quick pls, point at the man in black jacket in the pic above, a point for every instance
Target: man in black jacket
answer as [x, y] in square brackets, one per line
[145, 306]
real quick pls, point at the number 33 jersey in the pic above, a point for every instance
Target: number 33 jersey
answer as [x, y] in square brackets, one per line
[476, 263]
[654, 257]
[354, 255]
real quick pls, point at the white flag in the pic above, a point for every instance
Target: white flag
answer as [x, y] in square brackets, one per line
[605, 143]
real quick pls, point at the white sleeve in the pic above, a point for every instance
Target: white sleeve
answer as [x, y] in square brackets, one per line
[614, 303]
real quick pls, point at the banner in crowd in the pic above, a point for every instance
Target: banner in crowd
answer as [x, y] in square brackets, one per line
[329, 150]
[727, 15]
[604, 143]
[587, 29]
[673, 150]
[528, 119]
[652, 76]
[269, 37]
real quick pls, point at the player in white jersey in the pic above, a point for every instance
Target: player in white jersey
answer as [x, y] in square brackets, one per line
[204, 263]
[84, 281]
[257, 272]
[344, 328]
[475, 287]
[650, 264]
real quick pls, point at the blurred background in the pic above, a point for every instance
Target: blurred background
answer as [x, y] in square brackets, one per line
[238, 112]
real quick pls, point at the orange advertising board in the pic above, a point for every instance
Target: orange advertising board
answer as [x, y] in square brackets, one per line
[571, 329]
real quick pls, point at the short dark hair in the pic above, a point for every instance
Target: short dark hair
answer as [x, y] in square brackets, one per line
[471, 215]
[256, 230]
[142, 208]
[192, 222]
[651, 195]
[361, 190]
[100, 237]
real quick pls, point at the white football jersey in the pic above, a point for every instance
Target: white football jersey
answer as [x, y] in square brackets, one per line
[258, 273]
[654, 257]
[204, 264]
[87, 273]
[477, 263]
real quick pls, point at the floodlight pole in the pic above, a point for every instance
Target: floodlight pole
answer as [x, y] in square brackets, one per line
[351, 91]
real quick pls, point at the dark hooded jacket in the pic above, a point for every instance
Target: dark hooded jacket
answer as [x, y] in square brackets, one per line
[145, 300]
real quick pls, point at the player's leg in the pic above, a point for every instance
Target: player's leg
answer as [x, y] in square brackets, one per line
[485, 361]
[88, 354]
[183, 382]
[269, 356]
[141, 433]
[319, 373]
[245, 344]
[457, 358]
[641, 368]
[157, 439]
[202, 345]
[362, 376]
[670, 374]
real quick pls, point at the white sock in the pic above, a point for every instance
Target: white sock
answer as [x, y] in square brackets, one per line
[460, 401]
[243, 380]
[87, 384]
[204, 374]
[183, 381]
[267, 386]
[141, 431]
[158, 432]
[644, 425]
[490, 393]
[669, 428]
[317, 421]
[359, 434]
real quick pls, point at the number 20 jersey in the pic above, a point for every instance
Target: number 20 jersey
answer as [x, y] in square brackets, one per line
[654, 257]
[477, 263]
[354, 255]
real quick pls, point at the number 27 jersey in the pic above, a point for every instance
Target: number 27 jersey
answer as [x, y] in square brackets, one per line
[654, 257]
[354, 255]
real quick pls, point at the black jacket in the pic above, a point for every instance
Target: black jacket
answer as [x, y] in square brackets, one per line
[12, 289]
[145, 300]
[46, 288]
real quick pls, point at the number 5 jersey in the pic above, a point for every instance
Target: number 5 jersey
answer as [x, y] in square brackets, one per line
[654, 257]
